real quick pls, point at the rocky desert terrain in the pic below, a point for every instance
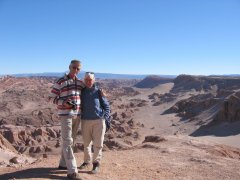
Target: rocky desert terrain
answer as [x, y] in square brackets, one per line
[182, 128]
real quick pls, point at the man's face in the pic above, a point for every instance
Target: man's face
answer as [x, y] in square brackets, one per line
[89, 82]
[75, 68]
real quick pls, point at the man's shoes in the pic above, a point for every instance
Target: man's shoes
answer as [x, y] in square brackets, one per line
[95, 169]
[74, 176]
[62, 168]
[84, 165]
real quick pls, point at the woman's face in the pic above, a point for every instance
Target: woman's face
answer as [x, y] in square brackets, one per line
[89, 82]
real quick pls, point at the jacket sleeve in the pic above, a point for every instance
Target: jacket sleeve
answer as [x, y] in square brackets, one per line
[81, 84]
[54, 95]
[106, 107]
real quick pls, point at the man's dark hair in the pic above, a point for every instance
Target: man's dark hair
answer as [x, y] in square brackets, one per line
[75, 61]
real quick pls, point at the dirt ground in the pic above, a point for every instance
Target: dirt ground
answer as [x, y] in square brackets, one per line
[178, 157]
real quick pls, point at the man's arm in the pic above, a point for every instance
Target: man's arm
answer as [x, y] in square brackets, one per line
[54, 94]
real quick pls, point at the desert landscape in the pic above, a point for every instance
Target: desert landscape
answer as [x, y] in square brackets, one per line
[186, 127]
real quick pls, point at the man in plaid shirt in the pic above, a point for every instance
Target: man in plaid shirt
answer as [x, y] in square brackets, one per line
[66, 95]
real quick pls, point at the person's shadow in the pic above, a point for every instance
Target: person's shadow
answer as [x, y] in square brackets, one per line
[35, 173]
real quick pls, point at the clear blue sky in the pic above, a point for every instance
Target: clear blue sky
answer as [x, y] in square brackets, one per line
[121, 36]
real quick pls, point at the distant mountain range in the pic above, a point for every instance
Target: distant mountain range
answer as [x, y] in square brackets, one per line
[105, 75]
[97, 75]
[233, 75]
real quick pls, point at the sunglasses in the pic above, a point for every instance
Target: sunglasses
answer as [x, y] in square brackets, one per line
[77, 68]
[89, 72]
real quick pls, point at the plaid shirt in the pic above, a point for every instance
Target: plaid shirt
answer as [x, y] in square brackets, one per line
[63, 89]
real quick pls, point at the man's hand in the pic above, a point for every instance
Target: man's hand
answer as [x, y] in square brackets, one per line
[103, 93]
[66, 104]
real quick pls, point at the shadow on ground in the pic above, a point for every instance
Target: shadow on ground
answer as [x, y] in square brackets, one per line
[35, 173]
[221, 130]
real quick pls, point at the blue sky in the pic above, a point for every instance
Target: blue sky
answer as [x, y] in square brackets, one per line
[121, 36]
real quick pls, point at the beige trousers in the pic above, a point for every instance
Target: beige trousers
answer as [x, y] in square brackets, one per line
[69, 128]
[93, 132]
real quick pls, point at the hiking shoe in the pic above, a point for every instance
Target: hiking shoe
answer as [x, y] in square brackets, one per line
[84, 165]
[74, 176]
[62, 168]
[95, 169]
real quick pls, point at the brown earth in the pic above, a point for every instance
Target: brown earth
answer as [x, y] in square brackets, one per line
[150, 131]
[174, 158]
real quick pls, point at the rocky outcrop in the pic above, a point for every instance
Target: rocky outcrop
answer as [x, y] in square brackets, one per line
[152, 81]
[188, 108]
[230, 110]
[199, 83]
[154, 139]
[158, 99]
[188, 82]
[23, 101]
[30, 139]
[5, 144]
[9, 156]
